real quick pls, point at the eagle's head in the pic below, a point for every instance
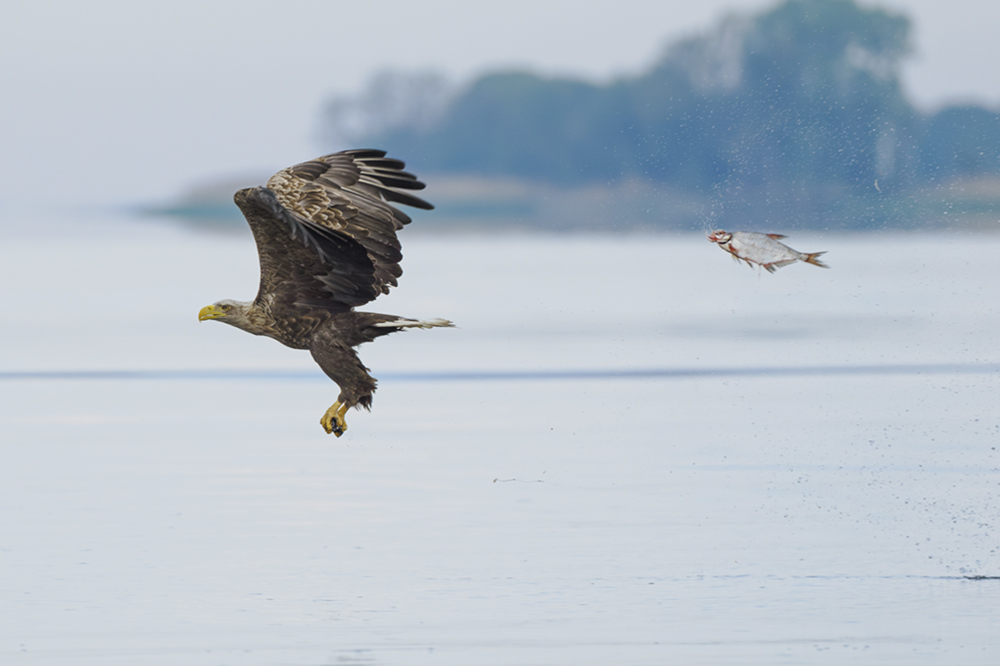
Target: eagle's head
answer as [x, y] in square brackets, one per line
[234, 313]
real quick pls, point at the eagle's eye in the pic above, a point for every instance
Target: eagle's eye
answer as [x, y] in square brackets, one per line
[227, 308]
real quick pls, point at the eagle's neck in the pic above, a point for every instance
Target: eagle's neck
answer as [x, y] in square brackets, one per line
[256, 318]
[251, 318]
[259, 320]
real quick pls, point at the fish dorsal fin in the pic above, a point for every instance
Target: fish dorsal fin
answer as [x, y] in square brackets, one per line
[777, 236]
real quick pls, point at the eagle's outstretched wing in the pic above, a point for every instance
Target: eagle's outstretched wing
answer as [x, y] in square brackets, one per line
[350, 192]
[301, 263]
[325, 234]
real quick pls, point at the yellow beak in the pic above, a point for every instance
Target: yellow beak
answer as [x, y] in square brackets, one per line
[210, 312]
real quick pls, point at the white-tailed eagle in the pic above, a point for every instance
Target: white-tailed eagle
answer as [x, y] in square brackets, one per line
[326, 239]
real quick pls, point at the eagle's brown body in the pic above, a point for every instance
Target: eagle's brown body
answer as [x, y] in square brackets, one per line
[326, 239]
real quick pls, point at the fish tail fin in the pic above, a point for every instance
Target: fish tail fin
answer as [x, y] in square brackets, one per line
[814, 259]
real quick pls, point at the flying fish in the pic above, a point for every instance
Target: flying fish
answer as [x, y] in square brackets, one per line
[765, 250]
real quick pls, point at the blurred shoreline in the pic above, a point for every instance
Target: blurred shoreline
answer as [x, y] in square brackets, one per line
[475, 203]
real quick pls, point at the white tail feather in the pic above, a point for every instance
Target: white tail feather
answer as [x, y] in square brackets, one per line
[415, 323]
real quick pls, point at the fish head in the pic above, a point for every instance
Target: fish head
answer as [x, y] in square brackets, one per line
[719, 236]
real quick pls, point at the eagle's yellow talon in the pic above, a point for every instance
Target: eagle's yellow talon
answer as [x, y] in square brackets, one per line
[333, 421]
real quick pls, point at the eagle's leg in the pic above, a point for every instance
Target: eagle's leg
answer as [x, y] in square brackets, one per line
[331, 349]
[333, 421]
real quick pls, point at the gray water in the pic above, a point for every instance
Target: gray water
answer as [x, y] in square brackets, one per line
[631, 451]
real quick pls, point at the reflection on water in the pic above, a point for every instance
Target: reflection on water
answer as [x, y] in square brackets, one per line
[740, 496]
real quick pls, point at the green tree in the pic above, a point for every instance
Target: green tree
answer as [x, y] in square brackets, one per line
[796, 111]
[520, 124]
[960, 141]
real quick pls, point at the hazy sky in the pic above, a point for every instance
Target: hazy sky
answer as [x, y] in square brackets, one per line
[107, 101]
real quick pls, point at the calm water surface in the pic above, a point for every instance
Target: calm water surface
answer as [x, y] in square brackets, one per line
[631, 451]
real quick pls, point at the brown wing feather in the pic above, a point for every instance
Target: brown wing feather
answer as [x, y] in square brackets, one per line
[350, 192]
[302, 264]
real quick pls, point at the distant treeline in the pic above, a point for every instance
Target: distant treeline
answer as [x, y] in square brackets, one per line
[797, 111]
